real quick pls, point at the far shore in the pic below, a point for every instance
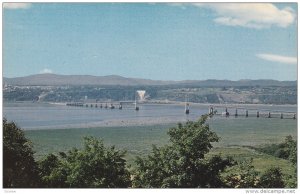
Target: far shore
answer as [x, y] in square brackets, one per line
[166, 102]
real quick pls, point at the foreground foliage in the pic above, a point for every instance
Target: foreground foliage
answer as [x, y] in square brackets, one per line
[183, 162]
[286, 150]
[93, 166]
[245, 176]
[19, 167]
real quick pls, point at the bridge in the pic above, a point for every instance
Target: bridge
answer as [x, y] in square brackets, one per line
[106, 104]
[139, 96]
[237, 111]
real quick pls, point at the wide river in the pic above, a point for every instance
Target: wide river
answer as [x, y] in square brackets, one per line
[35, 116]
[54, 128]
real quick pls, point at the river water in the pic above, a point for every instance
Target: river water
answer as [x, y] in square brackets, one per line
[35, 116]
[54, 128]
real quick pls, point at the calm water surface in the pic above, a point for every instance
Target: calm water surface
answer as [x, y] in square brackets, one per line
[57, 135]
[52, 116]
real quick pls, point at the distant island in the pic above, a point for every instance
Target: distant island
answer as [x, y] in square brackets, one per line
[74, 88]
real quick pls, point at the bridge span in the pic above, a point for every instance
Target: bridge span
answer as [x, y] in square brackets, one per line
[218, 110]
[236, 111]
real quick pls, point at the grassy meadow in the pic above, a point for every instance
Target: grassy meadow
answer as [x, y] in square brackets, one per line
[237, 135]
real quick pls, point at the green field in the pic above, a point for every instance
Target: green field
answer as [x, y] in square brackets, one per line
[261, 161]
[235, 133]
[135, 140]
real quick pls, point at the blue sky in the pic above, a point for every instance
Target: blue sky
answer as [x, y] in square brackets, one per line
[154, 41]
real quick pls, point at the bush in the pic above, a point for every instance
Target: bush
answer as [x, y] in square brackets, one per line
[286, 150]
[245, 176]
[183, 163]
[93, 166]
[272, 178]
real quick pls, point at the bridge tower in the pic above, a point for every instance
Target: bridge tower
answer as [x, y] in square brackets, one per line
[135, 103]
[187, 106]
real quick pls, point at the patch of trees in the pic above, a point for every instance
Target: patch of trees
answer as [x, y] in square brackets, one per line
[281, 98]
[286, 150]
[93, 166]
[183, 163]
[22, 94]
[20, 170]
[244, 175]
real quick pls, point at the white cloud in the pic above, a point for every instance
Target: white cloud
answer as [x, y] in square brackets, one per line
[16, 5]
[250, 15]
[278, 58]
[46, 71]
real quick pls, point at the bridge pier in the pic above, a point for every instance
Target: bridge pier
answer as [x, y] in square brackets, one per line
[226, 112]
[211, 110]
[187, 108]
[236, 112]
[112, 106]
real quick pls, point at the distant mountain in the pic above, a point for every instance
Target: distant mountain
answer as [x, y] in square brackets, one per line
[57, 80]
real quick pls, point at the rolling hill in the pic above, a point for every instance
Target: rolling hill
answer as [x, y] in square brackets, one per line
[57, 80]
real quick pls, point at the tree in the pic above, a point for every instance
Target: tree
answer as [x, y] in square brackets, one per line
[286, 150]
[244, 176]
[183, 163]
[19, 168]
[271, 178]
[291, 147]
[93, 166]
[52, 172]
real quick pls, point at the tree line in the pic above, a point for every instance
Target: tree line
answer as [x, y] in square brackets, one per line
[183, 163]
